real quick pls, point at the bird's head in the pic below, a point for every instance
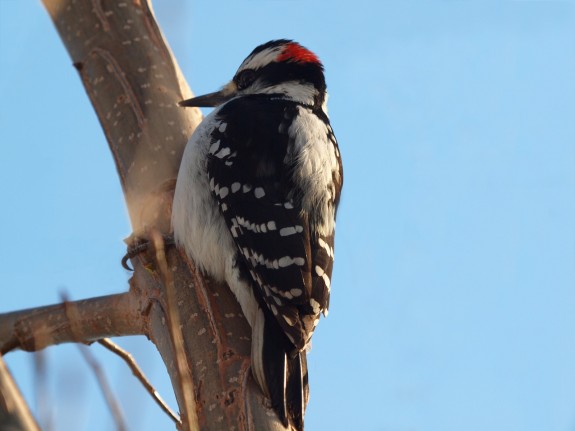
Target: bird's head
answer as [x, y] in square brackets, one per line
[280, 68]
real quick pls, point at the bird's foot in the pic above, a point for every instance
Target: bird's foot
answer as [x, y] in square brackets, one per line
[137, 245]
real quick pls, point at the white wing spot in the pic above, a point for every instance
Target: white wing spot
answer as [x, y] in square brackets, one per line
[223, 152]
[326, 247]
[319, 271]
[286, 231]
[246, 188]
[327, 281]
[214, 147]
[236, 186]
[223, 127]
[285, 261]
[292, 230]
[288, 260]
[288, 205]
[272, 225]
[296, 292]
[314, 305]
[224, 192]
[259, 192]
[288, 320]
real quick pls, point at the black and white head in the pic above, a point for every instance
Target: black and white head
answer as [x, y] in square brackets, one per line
[280, 68]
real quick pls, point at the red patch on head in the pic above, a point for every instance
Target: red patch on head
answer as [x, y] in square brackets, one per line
[296, 52]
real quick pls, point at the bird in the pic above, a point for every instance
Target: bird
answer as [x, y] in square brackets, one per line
[255, 205]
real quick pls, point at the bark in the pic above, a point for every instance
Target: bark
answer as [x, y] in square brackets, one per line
[134, 84]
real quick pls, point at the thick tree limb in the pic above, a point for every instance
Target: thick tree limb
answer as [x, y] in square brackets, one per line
[134, 84]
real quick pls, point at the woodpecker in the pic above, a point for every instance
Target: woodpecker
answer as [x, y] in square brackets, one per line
[255, 205]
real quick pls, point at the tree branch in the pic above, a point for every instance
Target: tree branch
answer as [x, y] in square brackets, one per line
[139, 374]
[109, 396]
[76, 321]
[134, 84]
[186, 388]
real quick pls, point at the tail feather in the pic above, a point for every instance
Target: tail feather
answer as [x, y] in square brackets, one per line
[296, 388]
[280, 370]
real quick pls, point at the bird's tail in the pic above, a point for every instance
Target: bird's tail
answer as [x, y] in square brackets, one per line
[280, 370]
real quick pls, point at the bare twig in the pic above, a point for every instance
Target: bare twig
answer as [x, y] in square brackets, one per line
[84, 321]
[14, 412]
[42, 395]
[174, 322]
[137, 371]
[106, 389]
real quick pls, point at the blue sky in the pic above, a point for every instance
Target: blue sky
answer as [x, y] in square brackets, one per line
[453, 301]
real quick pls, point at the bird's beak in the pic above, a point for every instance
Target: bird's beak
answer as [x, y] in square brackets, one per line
[212, 99]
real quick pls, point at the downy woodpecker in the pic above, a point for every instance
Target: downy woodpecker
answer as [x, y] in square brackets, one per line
[255, 205]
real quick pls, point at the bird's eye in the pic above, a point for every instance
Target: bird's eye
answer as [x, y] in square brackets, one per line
[245, 78]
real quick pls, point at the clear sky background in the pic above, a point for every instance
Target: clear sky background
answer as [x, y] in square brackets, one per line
[453, 297]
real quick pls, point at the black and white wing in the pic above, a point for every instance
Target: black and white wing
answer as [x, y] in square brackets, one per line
[253, 183]
[252, 174]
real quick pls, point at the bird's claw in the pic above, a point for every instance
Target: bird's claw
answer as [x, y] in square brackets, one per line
[140, 245]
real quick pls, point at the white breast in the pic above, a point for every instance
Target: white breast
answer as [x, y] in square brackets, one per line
[198, 226]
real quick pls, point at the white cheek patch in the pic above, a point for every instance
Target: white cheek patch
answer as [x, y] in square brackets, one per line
[294, 90]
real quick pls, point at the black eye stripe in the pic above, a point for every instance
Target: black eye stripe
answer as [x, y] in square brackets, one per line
[245, 78]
